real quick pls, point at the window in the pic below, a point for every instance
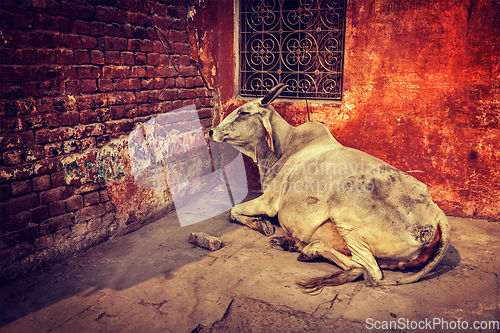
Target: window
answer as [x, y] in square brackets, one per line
[297, 42]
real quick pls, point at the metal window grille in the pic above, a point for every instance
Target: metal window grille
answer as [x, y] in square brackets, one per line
[297, 42]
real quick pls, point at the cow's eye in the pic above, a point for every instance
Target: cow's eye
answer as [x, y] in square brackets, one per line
[244, 112]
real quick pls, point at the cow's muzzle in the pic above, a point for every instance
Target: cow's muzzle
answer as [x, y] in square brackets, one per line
[214, 135]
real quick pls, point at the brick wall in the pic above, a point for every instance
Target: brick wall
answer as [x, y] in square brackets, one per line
[76, 77]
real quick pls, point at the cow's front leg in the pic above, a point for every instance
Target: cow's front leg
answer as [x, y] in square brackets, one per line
[250, 214]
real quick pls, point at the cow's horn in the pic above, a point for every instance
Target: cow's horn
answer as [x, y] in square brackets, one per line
[273, 94]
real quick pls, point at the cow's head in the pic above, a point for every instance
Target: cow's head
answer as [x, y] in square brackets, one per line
[249, 124]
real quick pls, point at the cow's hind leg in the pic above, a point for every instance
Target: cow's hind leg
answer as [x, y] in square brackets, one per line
[250, 214]
[353, 268]
[319, 249]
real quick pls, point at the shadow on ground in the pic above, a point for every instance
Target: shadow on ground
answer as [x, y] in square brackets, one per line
[154, 250]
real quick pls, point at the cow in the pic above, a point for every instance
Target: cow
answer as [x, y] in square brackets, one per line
[334, 202]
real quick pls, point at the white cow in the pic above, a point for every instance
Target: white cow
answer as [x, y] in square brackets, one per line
[335, 202]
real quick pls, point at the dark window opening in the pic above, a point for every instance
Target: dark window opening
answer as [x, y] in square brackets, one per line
[297, 42]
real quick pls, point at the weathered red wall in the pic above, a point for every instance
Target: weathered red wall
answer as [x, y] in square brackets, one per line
[422, 92]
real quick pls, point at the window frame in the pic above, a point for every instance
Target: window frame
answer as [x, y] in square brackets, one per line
[238, 59]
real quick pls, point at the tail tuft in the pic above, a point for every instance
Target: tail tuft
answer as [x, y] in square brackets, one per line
[316, 284]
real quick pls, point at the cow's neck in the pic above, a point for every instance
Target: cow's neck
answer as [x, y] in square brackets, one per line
[283, 134]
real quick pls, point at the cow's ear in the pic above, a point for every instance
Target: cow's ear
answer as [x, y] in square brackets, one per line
[268, 131]
[273, 94]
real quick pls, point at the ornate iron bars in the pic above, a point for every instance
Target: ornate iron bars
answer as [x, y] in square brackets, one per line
[297, 42]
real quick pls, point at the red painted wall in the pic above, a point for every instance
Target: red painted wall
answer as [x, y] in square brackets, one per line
[421, 91]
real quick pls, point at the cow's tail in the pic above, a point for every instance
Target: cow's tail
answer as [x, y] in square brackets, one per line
[316, 284]
[444, 243]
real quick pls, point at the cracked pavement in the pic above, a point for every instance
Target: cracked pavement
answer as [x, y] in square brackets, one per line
[154, 280]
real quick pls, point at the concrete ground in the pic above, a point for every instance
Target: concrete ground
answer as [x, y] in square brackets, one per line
[154, 280]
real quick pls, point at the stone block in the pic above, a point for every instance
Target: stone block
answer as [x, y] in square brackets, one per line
[41, 183]
[70, 118]
[44, 242]
[153, 59]
[140, 58]
[94, 224]
[74, 203]
[21, 187]
[16, 252]
[88, 188]
[88, 143]
[84, 131]
[127, 58]
[107, 14]
[56, 223]
[88, 86]
[95, 115]
[45, 56]
[24, 235]
[206, 241]
[47, 166]
[17, 140]
[105, 85]
[13, 157]
[38, 213]
[71, 146]
[87, 72]
[58, 134]
[108, 219]
[18, 204]
[97, 57]
[55, 194]
[57, 208]
[116, 126]
[90, 212]
[82, 56]
[103, 194]
[112, 43]
[91, 198]
[64, 57]
[110, 207]
[112, 57]
[4, 192]
[13, 222]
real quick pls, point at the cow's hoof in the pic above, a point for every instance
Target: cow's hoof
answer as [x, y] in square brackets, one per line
[304, 257]
[286, 243]
[279, 243]
[308, 256]
[265, 227]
